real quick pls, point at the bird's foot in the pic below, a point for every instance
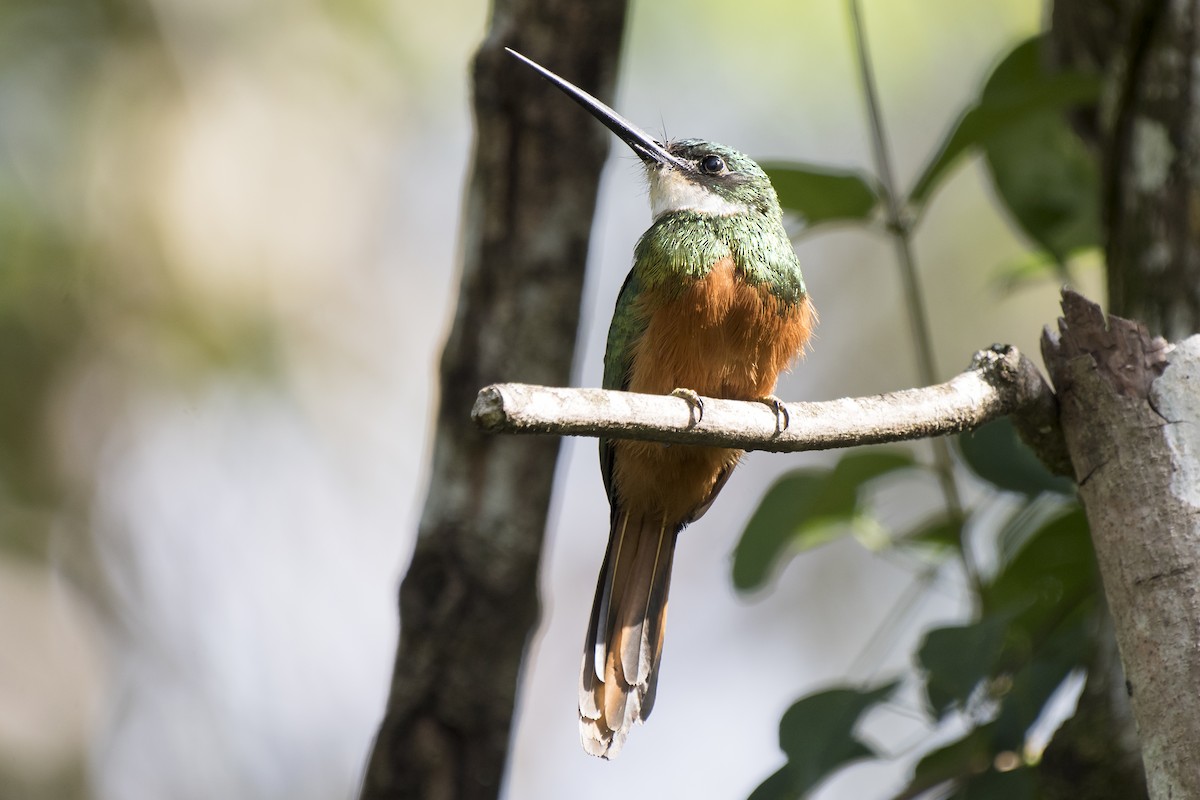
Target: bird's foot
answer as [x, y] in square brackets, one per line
[695, 404]
[782, 417]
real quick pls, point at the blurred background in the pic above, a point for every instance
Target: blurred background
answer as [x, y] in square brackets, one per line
[227, 265]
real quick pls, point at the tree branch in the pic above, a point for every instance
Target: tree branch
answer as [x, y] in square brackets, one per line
[999, 382]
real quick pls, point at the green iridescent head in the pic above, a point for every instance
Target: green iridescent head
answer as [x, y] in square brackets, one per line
[709, 178]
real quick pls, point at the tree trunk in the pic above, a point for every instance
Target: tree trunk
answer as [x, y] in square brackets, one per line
[1131, 419]
[469, 600]
[1146, 135]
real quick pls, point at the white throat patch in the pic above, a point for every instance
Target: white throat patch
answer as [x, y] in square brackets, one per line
[670, 191]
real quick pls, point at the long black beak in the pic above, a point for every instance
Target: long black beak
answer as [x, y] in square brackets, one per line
[638, 140]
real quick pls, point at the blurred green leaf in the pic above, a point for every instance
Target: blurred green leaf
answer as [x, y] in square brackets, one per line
[1032, 686]
[1046, 596]
[968, 764]
[819, 729]
[840, 490]
[1017, 91]
[1031, 635]
[1029, 518]
[1051, 575]
[1050, 185]
[817, 734]
[823, 194]
[806, 508]
[41, 324]
[996, 453]
[1017, 784]
[773, 526]
[942, 530]
[1041, 170]
[962, 758]
[957, 658]
[1028, 268]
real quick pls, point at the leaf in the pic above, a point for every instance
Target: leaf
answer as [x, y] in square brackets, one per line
[779, 786]
[1049, 589]
[944, 530]
[969, 755]
[855, 470]
[1050, 185]
[1003, 105]
[823, 194]
[1052, 574]
[1029, 268]
[996, 453]
[1035, 630]
[1064, 651]
[806, 508]
[773, 526]
[817, 734]
[1042, 172]
[968, 763]
[1017, 784]
[1028, 520]
[957, 658]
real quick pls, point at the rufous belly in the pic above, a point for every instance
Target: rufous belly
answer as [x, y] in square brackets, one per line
[721, 338]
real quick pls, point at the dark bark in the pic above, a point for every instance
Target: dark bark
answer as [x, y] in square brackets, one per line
[469, 601]
[1148, 133]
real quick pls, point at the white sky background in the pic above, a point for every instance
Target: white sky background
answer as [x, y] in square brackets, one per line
[255, 536]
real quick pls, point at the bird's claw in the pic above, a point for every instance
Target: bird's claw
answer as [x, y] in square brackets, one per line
[695, 404]
[782, 418]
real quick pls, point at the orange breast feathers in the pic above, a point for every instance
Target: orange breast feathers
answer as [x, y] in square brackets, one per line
[722, 338]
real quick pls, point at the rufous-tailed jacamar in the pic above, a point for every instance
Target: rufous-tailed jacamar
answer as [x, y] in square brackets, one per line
[715, 305]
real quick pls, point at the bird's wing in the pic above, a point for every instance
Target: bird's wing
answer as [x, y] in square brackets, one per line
[626, 328]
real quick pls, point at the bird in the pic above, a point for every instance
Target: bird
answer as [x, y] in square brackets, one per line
[714, 305]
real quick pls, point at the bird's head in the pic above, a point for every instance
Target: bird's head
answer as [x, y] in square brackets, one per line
[709, 178]
[686, 175]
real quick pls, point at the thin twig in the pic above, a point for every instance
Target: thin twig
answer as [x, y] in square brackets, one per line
[900, 228]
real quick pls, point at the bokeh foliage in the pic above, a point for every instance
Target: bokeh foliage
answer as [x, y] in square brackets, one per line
[84, 276]
[986, 682]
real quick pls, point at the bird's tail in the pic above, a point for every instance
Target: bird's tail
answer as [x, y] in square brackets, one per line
[625, 636]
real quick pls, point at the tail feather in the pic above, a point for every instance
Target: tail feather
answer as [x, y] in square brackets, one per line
[619, 673]
[658, 616]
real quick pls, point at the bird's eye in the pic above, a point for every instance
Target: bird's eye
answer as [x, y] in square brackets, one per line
[712, 164]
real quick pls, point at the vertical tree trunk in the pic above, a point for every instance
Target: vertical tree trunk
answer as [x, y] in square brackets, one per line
[469, 600]
[1153, 151]
[1131, 419]
[1146, 135]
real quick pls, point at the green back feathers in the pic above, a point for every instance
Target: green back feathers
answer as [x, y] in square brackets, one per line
[682, 246]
